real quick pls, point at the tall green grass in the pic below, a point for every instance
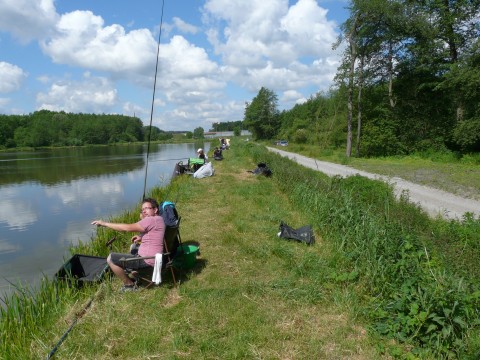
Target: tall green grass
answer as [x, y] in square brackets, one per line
[28, 309]
[404, 263]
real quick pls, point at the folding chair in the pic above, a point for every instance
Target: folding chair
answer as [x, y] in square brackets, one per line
[171, 244]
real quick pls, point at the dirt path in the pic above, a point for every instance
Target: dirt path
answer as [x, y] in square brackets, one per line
[435, 202]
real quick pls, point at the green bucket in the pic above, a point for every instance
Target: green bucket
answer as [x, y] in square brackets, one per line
[187, 256]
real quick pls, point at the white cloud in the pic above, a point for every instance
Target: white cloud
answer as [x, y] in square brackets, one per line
[181, 59]
[93, 94]
[11, 77]
[190, 82]
[82, 40]
[292, 95]
[44, 79]
[203, 114]
[309, 31]
[186, 74]
[269, 44]
[184, 27]
[27, 19]
[131, 109]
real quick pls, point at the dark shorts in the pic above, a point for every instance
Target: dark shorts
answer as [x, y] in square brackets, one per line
[135, 265]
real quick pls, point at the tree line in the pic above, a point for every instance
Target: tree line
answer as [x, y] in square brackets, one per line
[227, 126]
[409, 81]
[48, 128]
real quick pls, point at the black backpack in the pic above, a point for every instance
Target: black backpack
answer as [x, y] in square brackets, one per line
[262, 169]
[169, 213]
[304, 234]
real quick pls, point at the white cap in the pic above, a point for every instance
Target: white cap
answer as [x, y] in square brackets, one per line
[199, 150]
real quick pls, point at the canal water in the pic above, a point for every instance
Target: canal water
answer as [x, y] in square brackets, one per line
[48, 199]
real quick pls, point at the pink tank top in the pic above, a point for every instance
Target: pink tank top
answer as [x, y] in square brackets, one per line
[152, 237]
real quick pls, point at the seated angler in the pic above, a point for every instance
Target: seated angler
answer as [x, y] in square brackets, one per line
[217, 154]
[152, 230]
[202, 155]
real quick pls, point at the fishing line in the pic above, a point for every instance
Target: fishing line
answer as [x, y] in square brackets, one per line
[167, 159]
[153, 101]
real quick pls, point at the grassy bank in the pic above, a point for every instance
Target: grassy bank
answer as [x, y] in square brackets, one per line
[418, 275]
[380, 270]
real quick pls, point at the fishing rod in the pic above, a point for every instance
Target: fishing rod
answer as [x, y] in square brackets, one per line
[153, 100]
[64, 336]
[171, 159]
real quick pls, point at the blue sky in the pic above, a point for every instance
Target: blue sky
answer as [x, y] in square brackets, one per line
[98, 56]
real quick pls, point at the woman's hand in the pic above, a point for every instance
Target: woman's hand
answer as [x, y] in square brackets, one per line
[136, 239]
[98, 222]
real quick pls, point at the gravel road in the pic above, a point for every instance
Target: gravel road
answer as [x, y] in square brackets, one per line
[435, 202]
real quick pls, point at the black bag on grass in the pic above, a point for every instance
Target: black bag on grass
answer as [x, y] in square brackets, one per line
[262, 169]
[303, 234]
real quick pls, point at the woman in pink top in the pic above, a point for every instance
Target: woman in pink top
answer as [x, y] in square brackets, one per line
[152, 230]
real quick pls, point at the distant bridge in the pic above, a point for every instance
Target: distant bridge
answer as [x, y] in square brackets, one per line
[216, 134]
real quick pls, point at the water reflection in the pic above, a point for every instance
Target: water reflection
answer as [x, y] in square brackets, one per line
[16, 212]
[69, 164]
[49, 198]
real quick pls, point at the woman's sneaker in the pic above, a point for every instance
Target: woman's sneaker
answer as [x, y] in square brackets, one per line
[128, 288]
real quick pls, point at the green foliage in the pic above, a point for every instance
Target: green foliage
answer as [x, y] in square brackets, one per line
[419, 82]
[379, 139]
[300, 136]
[261, 115]
[460, 244]
[426, 307]
[467, 134]
[317, 121]
[465, 75]
[7, 130]
[155, 134]
[422, 74]
[27, 310]
[47, 128]
[226, 126]
[198, 133]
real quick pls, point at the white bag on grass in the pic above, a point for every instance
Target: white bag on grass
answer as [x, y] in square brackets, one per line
[204, 171]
